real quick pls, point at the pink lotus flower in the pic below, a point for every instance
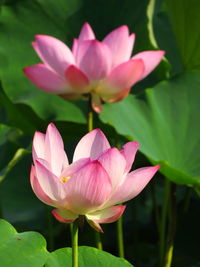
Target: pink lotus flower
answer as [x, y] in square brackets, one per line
[102, 69]
[93, 184]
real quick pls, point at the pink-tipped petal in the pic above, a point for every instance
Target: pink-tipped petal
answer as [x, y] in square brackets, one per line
[38, 145]
[108, 215]
[133, 184]
[95, 226]
[129, 150]
[54, 150]
[75, 167]
[45, 78]
[38, 190]
[91, 145]
[94, 59]
[64, 216]
[131, 42]
[96, 103]
[122, 77]
[114, 163]
[120, 45]
[53, 52]
[151, 59]
[50, 184]
[88, 188]
[118, 97]
[86, 33]
[77, 79]
[74, 47]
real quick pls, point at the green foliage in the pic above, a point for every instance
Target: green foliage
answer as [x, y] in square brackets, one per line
[88, 257]
[29, 249]
[166, 124]
[164, 119]
[184, 17]
[21, 249]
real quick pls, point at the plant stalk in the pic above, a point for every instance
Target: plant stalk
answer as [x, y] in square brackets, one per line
[171, 226]
[163, 221]
[90, 122]
[90, 115]
[75, 244]
[120, 238]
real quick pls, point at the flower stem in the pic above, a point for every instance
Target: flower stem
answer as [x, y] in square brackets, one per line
[98, 240]
[90, 128]
[163, 220]
[120, 238]
[75, 244]
[90, 116]
[171, 226]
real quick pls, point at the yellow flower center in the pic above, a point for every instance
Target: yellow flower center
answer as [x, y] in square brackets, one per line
[65, 179]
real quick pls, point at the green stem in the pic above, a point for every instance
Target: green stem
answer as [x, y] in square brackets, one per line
[169, 254]
[75, 244]
[120, 238]
[163, 220]
[90, 116]
[98, 240]
[171, 227]
[90, 128]
[120, 234]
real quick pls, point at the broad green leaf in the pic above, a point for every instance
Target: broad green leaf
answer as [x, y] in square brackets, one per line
[6, 230]
[184, 17]
[19, 204]
[4, 132]
[88, 257]
[166, 123]
[19, 115]
[21, 249]
[165, 36]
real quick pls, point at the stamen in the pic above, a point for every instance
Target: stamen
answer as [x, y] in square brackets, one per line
[65, 179]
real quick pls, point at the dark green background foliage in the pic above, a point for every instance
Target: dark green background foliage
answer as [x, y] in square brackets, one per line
[162, 113]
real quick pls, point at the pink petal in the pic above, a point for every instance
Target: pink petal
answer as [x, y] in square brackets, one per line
[122, 77]
[54, 150]
[151, 59]
[95, 225]
[120, 45]
[108, 215]
[75, 167]
[38, 190]
[96, 103]
[118, 97]
[45, 78]
[53, 52]
[129, 150]
[77, 79]
[86, 33]
[133, 185]
[114, 163]
[131, 42]
[49, 183]
[74, 47]
[88, 188]
[38, 145]
[94, 59]
[91, 145]
[64, 216]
